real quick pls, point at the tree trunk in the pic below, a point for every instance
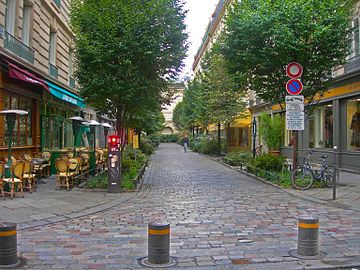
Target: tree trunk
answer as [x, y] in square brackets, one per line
[219, 138]
[197, 131]
[228, 137]
[193, 131]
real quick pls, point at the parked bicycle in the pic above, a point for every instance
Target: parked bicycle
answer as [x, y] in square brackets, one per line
[304, 176]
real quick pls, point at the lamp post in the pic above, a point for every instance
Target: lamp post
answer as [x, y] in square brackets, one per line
[93, 124]
[76, 125]
[106, 131]
[10, 118]
[254, 131]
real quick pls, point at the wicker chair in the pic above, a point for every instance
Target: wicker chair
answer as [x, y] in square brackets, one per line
[46, 167]
[29, 176]
[2, 175]
[17, 173]
[65, 178]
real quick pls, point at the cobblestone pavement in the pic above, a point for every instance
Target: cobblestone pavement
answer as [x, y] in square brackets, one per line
[220, 219]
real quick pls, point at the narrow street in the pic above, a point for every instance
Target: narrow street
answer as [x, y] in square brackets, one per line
[220, 219]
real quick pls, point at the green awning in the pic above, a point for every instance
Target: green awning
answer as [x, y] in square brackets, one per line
[65, 95]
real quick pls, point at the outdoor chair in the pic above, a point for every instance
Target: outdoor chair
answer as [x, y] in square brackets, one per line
[74, 165]
[2, 175]
[29, 176]
[17, 173]
[28, 157]
[46, 156]
[13, 159]
[65, 178]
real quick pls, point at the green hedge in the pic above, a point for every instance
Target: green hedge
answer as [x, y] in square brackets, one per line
[269, 162]
[238, 158]
[154, 139]
[169, 138]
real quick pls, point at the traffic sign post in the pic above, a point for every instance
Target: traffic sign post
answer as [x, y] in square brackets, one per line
[294, 70]
[294, 87]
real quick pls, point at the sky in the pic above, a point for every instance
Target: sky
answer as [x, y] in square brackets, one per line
[198, 16]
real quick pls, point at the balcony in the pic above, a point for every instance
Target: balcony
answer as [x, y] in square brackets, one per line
[353, 64]
[57, 3]
[71, 82]
[53, 71]
[18, 48]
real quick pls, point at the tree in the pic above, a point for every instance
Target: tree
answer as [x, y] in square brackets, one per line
[178, 116]
[263, 36]
[126, 53]
[224, 100]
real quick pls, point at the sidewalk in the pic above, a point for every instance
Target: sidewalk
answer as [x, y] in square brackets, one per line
[348, 192]
[48, 205]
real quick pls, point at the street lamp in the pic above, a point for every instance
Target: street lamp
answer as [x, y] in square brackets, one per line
[106, 131]
[10, 116]
[254, 131]
[76, 125]
[93, 124]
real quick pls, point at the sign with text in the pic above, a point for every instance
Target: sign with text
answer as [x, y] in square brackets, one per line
[294, 103]
[295, 120]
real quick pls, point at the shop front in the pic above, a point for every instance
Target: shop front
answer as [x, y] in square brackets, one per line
[332, 128]
[239, 134]
[20, 90]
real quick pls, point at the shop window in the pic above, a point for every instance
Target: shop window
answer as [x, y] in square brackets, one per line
[244, 136]
[22, 134]
[321, 127]
[353, 125]
[10, 13]
[356, 38]
[26, 22]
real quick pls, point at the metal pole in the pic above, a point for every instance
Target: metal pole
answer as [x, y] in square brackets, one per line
[334, 176]
[308, 236]
[254, 136]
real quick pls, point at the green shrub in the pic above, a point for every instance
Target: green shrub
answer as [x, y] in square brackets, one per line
[169, 138]
[100, 181]
[154, 139]
[209, 147]
[146, 147]
[237, 158]
[269, 162]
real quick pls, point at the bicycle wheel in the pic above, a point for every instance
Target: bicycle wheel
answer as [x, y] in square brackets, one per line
[302, 178]
[331, 175]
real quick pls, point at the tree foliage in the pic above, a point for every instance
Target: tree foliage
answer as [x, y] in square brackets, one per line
[263, 36]
[126, 52]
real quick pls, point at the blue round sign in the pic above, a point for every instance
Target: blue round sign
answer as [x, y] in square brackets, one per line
[294, 87]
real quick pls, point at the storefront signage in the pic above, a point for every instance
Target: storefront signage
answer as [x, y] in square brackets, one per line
[294, 87]
[295, 120]
[294, 70]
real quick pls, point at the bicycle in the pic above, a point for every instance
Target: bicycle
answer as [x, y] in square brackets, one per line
[304, 175]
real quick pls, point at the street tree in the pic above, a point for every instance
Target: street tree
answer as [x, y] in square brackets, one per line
[126, 53]
[225, 101]
[263, 36]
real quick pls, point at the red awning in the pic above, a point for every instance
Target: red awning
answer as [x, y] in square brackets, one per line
[23, 75]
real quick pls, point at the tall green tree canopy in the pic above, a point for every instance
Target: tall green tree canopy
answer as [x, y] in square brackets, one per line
[263, 36]
[126, 52]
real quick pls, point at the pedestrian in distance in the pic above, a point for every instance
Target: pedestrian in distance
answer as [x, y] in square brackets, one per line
[186, 143]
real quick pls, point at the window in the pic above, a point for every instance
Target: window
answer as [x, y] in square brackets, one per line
[27, 10]
[321, 127]
[22, 134]
[10, 13]
[353, 125]
[52, 48]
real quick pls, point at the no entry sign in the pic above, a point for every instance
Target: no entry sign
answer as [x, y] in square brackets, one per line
[294, 87]
[294, 70]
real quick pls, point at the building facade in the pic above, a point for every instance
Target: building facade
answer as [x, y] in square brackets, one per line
[36, 74]
[169, 127]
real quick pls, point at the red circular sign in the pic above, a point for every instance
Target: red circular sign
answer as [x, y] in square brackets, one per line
[294, 87]
[294, 70]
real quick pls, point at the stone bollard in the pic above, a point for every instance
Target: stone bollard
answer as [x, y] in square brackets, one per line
[308, 239]
[8, 245]
[159, 243]
[158, 246]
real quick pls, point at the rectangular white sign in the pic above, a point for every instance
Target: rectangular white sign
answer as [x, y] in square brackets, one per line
[294, 99]
[295, 120]
[295, 107]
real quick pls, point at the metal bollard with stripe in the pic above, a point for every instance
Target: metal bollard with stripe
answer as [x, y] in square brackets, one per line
[308, 239]
[8, 245]
[159, 243]
[158, 246]
[308, 236]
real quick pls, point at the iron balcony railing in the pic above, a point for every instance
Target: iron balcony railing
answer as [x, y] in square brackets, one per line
[352, 64]
[18, 48]
[71, 82]
[53, 71]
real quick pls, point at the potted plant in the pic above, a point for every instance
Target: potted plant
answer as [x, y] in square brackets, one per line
[272, 131]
